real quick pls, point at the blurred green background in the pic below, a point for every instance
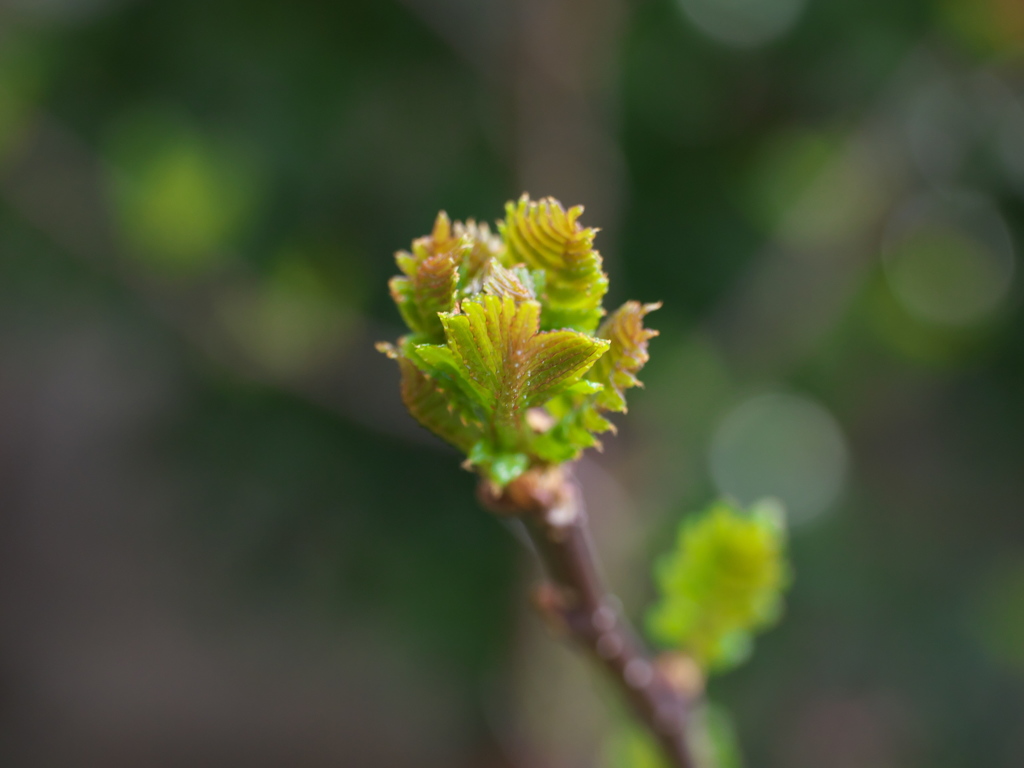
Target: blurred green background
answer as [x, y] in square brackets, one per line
[222, 542]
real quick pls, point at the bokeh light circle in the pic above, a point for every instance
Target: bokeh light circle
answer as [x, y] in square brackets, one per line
[784, 446]
[948, 258]
[743, 23]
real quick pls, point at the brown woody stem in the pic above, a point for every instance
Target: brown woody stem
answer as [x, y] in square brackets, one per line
[575, 601]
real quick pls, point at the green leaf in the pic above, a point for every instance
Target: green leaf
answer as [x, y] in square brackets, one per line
[489, 340]
[510, 365]
[558, 361]
[439, 361]
[723, 582]
[503, 468]
[544, 236]
[585, 387]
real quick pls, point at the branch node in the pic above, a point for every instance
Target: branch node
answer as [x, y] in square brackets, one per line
[638, 673]
[561, 517]
[604, 619]
[682, 673]
[552, 603]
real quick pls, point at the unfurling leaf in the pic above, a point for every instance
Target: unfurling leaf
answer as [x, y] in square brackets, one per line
[544, 236]
[516, 283]
[617, 370]
[431, 405]
[483, 248]
[723, 582]
[430, 280]
[578, 412]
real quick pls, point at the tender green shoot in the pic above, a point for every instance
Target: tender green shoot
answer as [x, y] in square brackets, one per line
[722, 583]
[505, 359]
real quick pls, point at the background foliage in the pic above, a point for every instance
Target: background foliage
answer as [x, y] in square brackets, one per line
[224, 542]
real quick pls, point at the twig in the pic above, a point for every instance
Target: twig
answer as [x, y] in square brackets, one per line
[578, 605]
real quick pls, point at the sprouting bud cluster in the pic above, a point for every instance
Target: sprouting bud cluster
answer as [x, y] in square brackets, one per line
[722, 583]
[507, 356]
